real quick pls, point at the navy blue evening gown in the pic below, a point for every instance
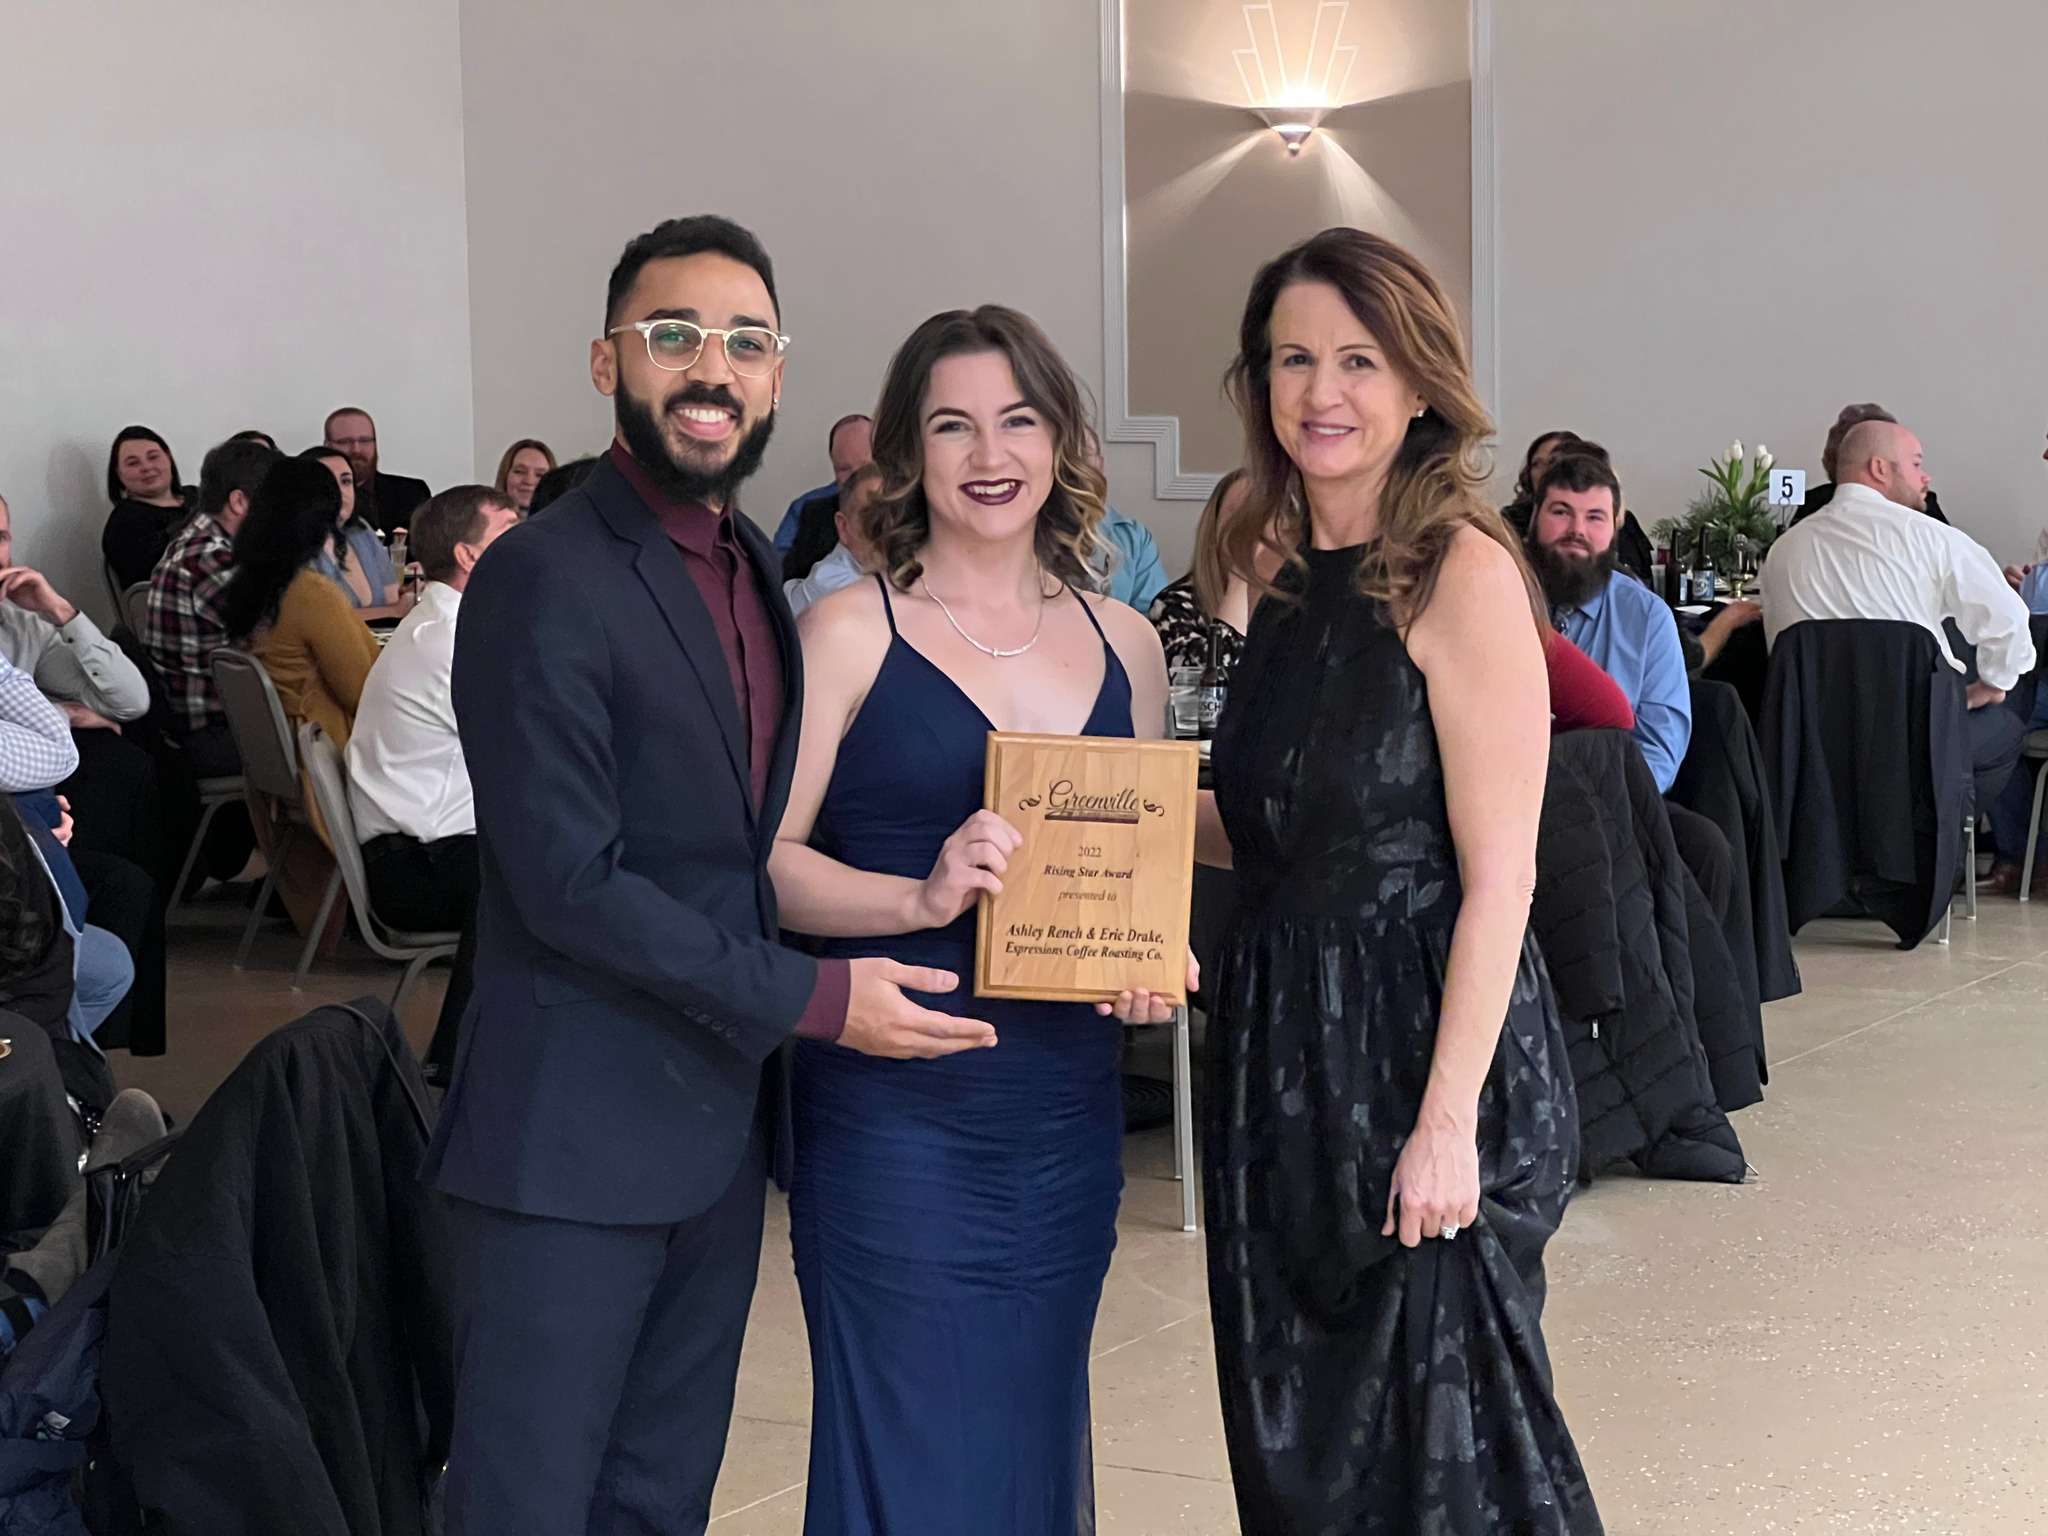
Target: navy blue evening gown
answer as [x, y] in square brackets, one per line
[952, 1220]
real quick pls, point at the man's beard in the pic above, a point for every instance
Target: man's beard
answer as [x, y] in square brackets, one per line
[1569, 579]
[640, 424]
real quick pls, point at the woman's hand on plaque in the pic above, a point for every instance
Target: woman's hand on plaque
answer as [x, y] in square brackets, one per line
[1143, 1007]
[973, 860]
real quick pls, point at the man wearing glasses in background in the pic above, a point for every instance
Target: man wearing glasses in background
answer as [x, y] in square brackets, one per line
[618, 1092]
[388, 501]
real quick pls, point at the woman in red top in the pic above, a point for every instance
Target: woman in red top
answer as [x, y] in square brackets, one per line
[1582, 696]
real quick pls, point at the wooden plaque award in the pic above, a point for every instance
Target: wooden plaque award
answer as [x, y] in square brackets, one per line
[1096, 900]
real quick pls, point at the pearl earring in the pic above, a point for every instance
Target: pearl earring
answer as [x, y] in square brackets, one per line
[1420, 410]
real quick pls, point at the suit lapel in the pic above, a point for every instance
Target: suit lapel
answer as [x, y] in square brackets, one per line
[766, 561]
[660, 565]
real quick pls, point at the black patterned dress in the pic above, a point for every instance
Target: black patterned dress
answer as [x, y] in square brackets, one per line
[1368, 1389]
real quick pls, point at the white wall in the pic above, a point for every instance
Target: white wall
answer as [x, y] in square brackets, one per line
[1728, 218]
[208, 222]
[897, 157]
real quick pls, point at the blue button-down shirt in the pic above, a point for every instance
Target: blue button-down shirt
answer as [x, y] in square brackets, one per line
[1135, 574]
[1632, 635]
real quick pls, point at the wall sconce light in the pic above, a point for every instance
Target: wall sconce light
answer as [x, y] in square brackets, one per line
[1294, 135]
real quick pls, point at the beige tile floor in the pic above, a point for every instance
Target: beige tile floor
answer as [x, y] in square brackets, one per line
[1853, 1342]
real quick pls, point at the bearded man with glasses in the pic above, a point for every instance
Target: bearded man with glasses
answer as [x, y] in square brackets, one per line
[618, 1095]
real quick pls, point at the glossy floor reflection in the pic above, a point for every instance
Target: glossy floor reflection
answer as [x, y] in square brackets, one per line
[1852, 1342]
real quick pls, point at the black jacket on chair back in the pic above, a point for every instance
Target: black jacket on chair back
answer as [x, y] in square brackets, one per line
[279, 1347]
[1867, 749]
[1638, 967]
[1723, 779]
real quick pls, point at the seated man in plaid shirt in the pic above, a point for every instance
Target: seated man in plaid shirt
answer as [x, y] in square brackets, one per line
[184, 627]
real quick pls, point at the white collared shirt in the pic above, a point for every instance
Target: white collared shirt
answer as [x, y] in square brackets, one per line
[405, 767]
[1863, 557]
[836, 570]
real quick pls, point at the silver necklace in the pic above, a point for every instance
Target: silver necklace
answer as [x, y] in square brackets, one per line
[991, 650]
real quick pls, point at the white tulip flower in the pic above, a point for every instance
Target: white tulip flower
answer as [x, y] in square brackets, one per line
[1735, 454]
[1763, 457]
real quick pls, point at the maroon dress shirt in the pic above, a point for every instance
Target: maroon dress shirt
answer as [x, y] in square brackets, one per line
[731, 589]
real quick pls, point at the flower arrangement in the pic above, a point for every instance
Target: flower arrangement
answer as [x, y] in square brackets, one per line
[1734, 505]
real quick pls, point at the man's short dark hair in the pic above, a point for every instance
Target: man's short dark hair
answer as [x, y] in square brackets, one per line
[239, 464]
[1582, 467]
[559, 482]
[688, 237]
[456, 516]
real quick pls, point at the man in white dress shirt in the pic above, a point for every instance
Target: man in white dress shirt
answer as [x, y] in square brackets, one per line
[408, 783]
[1871, 554]
[849, 559]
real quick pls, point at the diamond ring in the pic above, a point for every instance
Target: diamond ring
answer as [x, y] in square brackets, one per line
[1450, 1231]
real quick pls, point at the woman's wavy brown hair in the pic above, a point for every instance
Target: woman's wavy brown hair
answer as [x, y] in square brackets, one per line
[1433, 487]
[897, 523]
[505, 463]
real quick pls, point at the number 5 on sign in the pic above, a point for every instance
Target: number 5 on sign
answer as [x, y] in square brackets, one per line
[1788, 487]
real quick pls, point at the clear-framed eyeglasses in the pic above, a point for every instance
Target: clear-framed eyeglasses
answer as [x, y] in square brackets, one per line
[675, 345]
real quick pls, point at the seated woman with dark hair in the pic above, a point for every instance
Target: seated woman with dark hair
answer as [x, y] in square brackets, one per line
[354, 557]
[1542, 449]
[150, 504]
[278, 604]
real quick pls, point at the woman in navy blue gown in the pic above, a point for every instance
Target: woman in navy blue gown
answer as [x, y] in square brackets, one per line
[952, 1219]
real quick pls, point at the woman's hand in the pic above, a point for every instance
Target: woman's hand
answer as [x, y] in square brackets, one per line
[1141, 1006]
[974, 860]
[1436, 1179]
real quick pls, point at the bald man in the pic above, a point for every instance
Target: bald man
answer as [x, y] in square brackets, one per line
[1871, 554]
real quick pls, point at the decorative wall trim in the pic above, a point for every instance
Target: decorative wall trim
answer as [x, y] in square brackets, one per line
[1170, 482]
[1485, 217]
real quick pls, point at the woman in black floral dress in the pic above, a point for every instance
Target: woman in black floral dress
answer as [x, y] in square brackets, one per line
[1193, 615]
[1392, 1127]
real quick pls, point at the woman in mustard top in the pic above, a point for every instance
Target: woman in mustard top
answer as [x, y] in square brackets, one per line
[294, 620]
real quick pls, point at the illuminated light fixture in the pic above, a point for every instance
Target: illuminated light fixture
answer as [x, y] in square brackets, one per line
[1294, 135]
[1325, 75]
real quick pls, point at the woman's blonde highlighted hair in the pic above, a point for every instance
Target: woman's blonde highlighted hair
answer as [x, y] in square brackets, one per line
[897, 522]
[1433, 487]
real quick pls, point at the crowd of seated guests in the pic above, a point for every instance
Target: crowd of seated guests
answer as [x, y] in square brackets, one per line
[1623, 660]
[289, 558]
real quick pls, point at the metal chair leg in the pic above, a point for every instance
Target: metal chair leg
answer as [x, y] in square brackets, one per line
[192, 853]
[319, 927]
[413, 972]
[2033, 835]
[1184, 1117]
[1970, 871]
[1948, 921]
[271, 867]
